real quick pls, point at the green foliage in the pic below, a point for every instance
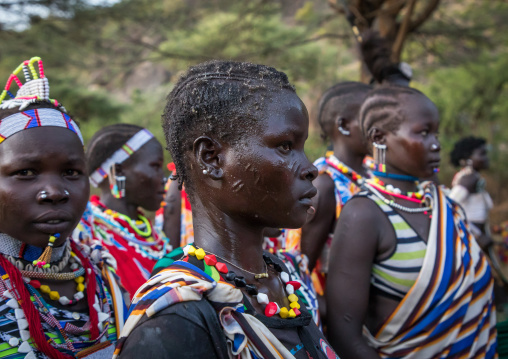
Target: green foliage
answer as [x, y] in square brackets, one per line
[94, 57]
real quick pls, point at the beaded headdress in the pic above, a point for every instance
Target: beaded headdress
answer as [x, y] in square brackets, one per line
[34, 90]
[124, 152]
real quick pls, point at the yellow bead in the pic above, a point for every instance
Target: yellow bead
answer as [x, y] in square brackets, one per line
[108, 211]
[345, 170]
[293, 298]
[295, 305]
[79, 279]
[52, 239]
[284, 312]
[80, 287]
[200, 253]
[292, 314]
[139, 222]
[53, 295]
[45, 289]
[191, 250]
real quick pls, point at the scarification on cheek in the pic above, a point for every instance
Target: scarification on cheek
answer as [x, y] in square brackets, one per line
[237, 186]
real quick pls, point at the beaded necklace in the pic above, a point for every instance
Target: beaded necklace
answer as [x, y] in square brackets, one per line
[148, 246]
[30, 308]
[345, 170]
[214, 267]
[422, 197]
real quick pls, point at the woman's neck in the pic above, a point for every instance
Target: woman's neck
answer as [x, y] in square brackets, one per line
[349, 158]
[119, 205]
[229, 240]
[403, 185]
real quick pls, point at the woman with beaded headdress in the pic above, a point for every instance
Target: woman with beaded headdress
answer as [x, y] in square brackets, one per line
[408, 279]
[236, 132]
[58, 298]
[125, 163]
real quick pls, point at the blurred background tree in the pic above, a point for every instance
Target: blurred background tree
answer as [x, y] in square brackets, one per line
[116, 60]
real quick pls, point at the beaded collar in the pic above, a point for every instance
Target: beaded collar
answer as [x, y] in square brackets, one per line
[146, 240]
[340, 166]
[19, 250]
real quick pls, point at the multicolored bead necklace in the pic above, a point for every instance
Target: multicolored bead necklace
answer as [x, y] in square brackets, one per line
[214, 268]
[145, 240]
[77, 275]
[345, 170]
[422, 197]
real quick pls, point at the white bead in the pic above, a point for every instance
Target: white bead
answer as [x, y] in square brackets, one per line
[290, 289]
[397, 191]
[278, 309]
[22, 323]
[74, 266]
[19, 313]
[24, 334]
[97, 307]
[79, 295]
[284, 276]
[27, 280]
[103, 316]
[7, 294]
[76, 315]
[30, 355]
[64, 300]
[389, 187]
[262, 298]
[186, 251]
[12, 303]
[24, 348]
[14, 342]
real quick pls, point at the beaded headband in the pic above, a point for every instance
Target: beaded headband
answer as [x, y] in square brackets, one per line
[34, 90]
[127, 150]
[40, 117]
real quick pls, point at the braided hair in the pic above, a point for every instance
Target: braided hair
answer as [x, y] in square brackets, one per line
[222, 98]
[382, 107]
[335, 101]
[464, 148]
[107, 141]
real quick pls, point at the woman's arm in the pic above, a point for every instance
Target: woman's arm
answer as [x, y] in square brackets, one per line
[172, 213]
[353, 250]
[315, 231]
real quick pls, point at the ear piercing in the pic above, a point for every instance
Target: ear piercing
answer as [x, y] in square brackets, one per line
[205, 171]
[343, 131]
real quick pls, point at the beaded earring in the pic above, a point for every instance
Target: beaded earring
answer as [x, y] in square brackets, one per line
[45, 258]
[379, 157]
[116, 182]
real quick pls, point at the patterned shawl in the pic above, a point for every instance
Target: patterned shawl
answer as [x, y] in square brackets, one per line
[449, 311]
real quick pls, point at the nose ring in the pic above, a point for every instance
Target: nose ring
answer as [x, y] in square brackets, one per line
[433, 147]
[66, 192]
[43, 194]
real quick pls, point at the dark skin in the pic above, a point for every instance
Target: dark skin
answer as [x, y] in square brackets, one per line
[271, 179]
[364, 234]
[172, 213]
[144, 185]
[479, 160]
[351, 150]
[25, 171]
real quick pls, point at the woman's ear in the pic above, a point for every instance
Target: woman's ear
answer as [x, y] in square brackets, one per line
[376, 135]
[208, 152]
[342, 124]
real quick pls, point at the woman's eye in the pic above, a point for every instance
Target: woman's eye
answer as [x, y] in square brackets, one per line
[285, 147]
[72, 173]
[25, 173]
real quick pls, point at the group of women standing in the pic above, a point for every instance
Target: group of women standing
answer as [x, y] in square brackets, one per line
[404, 276]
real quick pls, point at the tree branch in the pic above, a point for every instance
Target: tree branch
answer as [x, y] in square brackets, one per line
[424, 15]
[403, 30]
